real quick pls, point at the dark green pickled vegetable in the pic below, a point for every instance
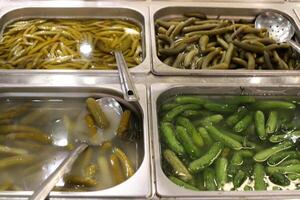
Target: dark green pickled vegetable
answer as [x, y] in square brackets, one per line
[170, 115]
[279, 179]
[260, 124]
[187, 142]
[207, 159]
[289, 162]
[237, 116]
[196, 137]
[182, 183]
[169, 106]
[192, 113]
[268, 105]
[190, 100]
[209, 179]
[294, 136]
[248, 143]
[208, 141]
[239, 156]
[271, 124]
[179, 169]
[168, 135]
[222, 108]
[282, 156]
[221, 137]
[221, 171]
[294, 168]
[259, 175]
[243, 124]
[239, 178]
[266, 153]
[209, 120]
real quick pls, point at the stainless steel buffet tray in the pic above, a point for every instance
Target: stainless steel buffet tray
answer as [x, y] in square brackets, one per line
[138, 13]
[160, 92]
[223, 10]
[137, 186]
[257, 1]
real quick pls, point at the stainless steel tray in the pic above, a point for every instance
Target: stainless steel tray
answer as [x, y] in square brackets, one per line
[164, 187]
[256, 1]
[139, 185]
[138, 13]
[225, 10]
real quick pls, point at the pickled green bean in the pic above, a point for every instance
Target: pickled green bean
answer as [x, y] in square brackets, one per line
[248, 47]
[210, 57]
[18, 160]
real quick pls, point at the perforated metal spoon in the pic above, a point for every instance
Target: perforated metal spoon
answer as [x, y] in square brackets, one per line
[110, 105]
[279, 28]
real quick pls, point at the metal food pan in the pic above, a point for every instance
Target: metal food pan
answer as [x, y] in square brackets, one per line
[139, 185]
[224, 11]
[162, 91]
[138, 14]
[277, 1]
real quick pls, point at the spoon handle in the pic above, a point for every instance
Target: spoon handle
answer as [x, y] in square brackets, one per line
[45, 188]
[129, 90]
[295, 45]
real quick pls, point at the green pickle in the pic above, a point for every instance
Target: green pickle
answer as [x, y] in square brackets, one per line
[247, 143]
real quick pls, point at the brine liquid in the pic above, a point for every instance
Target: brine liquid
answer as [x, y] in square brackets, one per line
[63, 120]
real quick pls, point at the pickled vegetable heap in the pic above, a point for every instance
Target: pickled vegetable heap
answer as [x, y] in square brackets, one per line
[69, 44]
[233, 143]
[195, 42]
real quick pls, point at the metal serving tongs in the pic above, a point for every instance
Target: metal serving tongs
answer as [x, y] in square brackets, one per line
[279, 28]
[47, 185]
[128, 87]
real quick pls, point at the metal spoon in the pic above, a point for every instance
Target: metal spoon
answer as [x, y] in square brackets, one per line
[128, 88]
[45, 188]
[279, 28]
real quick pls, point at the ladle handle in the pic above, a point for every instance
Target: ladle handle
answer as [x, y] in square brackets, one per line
[295, 45]
[45, 188]
[128, 88]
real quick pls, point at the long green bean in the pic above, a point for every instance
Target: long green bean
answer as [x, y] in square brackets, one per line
[70, 43]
